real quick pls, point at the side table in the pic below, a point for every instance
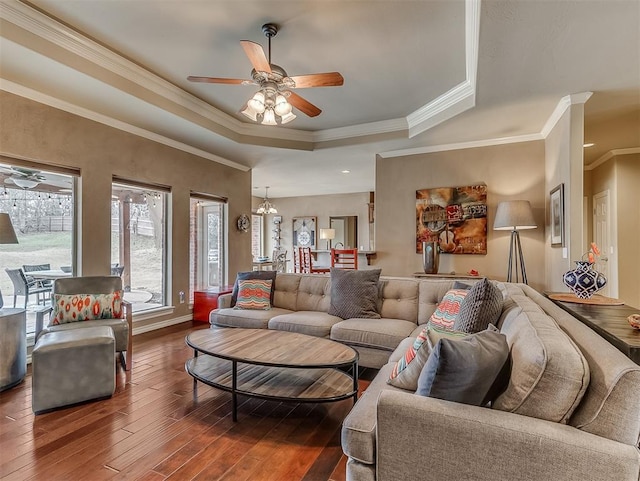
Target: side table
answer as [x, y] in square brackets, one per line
[206, 300]
[13, 347]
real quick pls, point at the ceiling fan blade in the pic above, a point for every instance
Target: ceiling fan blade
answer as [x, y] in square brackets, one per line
[256, 55]
[216, 80]
[303, 105]
[328, 79]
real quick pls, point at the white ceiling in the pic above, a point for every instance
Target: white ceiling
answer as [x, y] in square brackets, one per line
[418, 74]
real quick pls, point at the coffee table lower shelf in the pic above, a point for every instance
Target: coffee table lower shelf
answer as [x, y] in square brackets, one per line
[312, 385]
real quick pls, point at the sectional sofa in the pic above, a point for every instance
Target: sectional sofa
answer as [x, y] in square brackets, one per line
[571, 410]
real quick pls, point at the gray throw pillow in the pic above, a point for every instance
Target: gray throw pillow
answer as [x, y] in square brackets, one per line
[262, 275]
[482, 306]
[464, 370]
[354, 294]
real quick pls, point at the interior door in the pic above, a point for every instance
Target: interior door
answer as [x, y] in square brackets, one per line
[602, 235]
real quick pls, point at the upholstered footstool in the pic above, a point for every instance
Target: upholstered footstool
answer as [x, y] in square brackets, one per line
[73, 366]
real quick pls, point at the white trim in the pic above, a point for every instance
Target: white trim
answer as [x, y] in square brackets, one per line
[563, 104]
[152, 313]
[609, 155]
[460, 145]
[371, 128]
[162, 324]
[14, 88]
[461, 97]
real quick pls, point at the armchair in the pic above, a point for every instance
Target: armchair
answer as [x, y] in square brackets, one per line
[122, 328]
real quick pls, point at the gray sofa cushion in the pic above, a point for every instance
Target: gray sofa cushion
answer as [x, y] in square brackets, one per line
[383, 334]
[250, 319]
[354, 293]
[549, 374]
[463, 370]
[314, 293]
[481, 307]
[313, 323]
[359, 427]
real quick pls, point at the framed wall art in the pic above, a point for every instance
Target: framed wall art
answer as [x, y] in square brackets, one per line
[304, 232]
[556, 200]
[455, 217]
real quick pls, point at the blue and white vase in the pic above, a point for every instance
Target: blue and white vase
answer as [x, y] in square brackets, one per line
[584, 280]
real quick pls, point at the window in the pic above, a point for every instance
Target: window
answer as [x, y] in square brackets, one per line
[256, 236]
[41, 206]
[138, 244]
[208, 241]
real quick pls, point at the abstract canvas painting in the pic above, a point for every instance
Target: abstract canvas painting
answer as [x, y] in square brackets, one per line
[455, 217]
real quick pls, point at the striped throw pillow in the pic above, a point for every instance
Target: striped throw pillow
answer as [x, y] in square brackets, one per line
[254, 294]
[445, 315]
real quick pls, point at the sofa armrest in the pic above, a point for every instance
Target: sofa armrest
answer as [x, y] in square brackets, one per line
[426, 438]
[224, 301]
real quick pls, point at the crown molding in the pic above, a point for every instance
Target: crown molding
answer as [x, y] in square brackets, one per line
[14, 88]
[563, 104]
[461, 97]
[610, 155]
[453, 102]
[460, 146]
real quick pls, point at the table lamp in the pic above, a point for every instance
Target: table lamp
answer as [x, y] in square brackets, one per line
[515, 215]
[7, 236]
[328, 234]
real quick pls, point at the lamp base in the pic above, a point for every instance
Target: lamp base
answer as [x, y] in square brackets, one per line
[515, 258]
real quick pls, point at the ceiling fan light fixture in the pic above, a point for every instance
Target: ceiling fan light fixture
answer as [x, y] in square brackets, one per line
[24, 183]
[257, 102]
[250, 113]
[269, 118]
[286, 118]
[282, 107]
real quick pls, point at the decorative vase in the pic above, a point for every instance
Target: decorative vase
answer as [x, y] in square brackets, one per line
[430, 257]
[584, 280]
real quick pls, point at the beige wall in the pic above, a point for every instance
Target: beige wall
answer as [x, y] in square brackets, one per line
[320, 206]
[47, 135]
[512, 171]
[620, 175]
[628, 228]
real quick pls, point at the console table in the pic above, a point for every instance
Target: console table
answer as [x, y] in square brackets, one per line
[610, 321]
[206, 301]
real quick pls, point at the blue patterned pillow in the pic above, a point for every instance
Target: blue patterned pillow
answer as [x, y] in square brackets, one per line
[447, 310]
[254, 294]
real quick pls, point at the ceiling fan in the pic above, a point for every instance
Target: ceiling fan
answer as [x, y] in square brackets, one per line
[23, 177]
[275, 97]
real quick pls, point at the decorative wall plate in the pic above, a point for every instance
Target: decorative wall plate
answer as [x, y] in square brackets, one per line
[244, 223]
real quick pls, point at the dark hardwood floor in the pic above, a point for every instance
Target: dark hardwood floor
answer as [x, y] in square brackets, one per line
[155, 428]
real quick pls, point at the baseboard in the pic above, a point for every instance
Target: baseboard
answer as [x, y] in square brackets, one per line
[161, 324]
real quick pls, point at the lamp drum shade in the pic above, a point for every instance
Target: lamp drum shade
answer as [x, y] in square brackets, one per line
[514, 215]
[327, 234]
[7, 234]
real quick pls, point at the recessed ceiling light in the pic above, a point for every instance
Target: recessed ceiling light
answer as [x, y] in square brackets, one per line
[346, 171]
[590, 144]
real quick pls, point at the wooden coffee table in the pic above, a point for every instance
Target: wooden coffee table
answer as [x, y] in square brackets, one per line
[275, 365]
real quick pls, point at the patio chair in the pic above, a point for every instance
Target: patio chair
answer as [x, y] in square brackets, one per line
[21, 287]
[38, 267]
[122, 328]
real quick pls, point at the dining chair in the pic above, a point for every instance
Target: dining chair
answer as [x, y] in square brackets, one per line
[344, 258]
[21, 287]
[306, 262]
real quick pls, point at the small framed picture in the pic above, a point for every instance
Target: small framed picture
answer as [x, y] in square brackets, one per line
[556, 198]
[304, 232]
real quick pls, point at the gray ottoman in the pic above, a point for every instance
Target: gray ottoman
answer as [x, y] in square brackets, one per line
[73, 366]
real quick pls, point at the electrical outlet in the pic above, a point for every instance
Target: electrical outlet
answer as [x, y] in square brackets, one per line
[181, 295]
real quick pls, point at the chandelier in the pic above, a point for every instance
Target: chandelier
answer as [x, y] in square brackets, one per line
[266, 207]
